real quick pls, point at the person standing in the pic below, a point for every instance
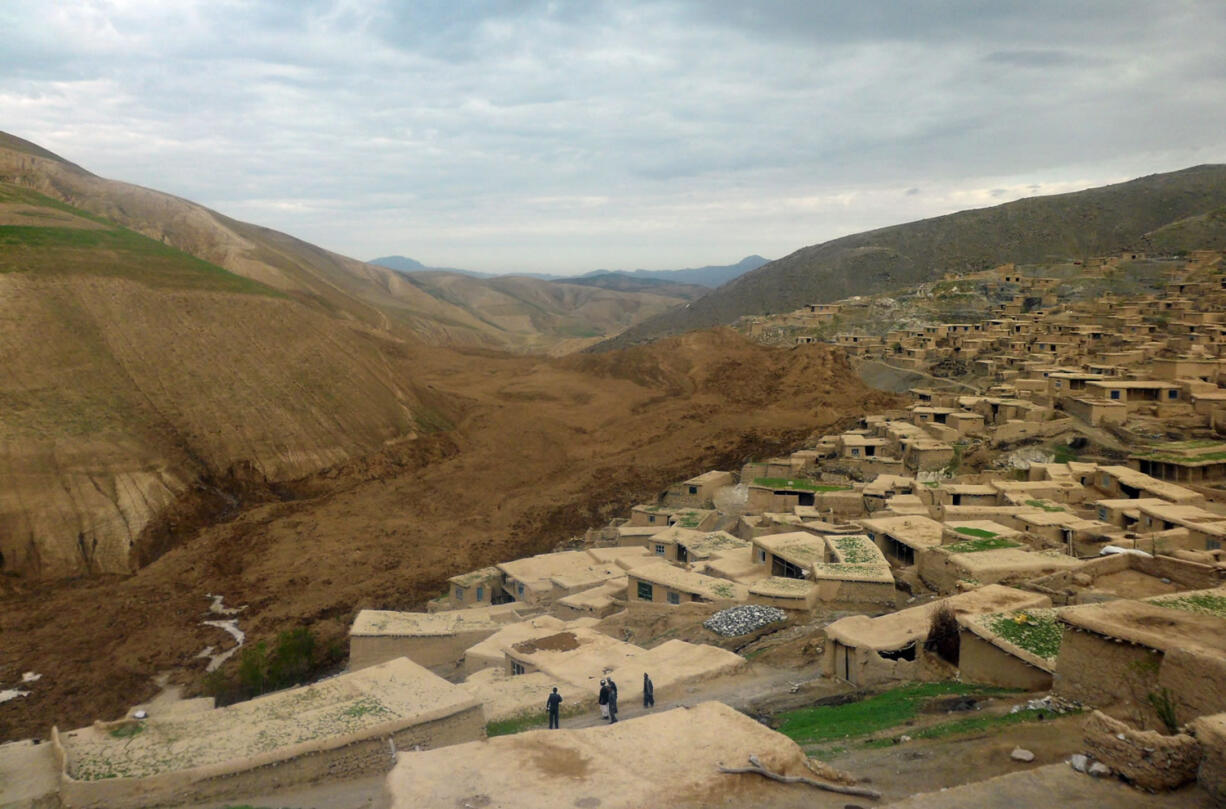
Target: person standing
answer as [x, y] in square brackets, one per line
[603, 700]
[552, 704]
[612, 701]
[649, 692]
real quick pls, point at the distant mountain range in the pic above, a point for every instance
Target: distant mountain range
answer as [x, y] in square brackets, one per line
[1158, 213]
[710, 276]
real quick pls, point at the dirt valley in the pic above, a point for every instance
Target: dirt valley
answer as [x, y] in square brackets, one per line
[541, 449]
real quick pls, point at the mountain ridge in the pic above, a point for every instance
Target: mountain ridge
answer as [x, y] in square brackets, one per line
[709, 276]
[1077, 224]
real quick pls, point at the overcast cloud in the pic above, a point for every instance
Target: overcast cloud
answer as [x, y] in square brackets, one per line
[554, 136]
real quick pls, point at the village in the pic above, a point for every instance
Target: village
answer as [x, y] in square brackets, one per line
[1041, 518]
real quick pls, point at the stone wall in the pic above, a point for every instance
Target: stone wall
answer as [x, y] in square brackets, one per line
[334, 759]
[1147, 759]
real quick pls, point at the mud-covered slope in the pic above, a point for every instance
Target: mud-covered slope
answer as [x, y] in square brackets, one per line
[541, 450]
[134, 376]
[1032, 231]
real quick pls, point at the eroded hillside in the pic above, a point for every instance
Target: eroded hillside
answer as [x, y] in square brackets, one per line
[541, 449]
[139, 380]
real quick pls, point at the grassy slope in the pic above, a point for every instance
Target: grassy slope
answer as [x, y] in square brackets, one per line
[1037, 230]
[109, 250]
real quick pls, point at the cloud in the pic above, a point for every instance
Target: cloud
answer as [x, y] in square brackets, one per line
[537, 134]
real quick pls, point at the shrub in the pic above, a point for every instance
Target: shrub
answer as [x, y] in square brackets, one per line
[944, 634]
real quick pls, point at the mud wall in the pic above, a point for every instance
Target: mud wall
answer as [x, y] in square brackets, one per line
[982, 662]
[334, 759]
[429, 651]
[1115, 677]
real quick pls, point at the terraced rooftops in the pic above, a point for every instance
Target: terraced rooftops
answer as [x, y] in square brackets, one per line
[376, 700]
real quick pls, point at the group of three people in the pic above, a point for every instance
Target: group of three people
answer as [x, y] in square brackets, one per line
[607, 700]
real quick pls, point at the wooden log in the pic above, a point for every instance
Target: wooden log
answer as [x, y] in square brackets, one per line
[756, 767]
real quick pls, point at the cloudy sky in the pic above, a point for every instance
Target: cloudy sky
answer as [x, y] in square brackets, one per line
[557, 136]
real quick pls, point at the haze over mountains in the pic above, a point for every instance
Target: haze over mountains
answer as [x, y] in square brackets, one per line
[1172, 211]
[709, 276]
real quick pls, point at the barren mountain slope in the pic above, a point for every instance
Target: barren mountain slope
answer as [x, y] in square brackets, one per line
[553, 317]
[541, 450]
[136, 378]
[1094, 222]
[367, 293]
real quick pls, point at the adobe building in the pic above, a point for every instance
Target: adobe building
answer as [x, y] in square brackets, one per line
[347, 726]
[671, 758]
[432, 640]
[990, 654]
[697, 492]
[955, 567]
[902, 539]
[868, 652]
[663, 584]
[1115, 654]
[1183, 462]
[542, 579]
[1128, 575]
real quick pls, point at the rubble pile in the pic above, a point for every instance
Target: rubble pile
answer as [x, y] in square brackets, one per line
[742, 620]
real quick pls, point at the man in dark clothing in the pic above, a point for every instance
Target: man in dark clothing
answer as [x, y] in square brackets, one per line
[649, 692]
[603, 700]
[612, 701]
[551, 705]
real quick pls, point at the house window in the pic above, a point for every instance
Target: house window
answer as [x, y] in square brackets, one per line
[519, 588]
[517, 668]
[459, 594]
[855, 453]
[761, 556]
[693, 490]
[480, 593]
[651, 518]
[659, 550]
[1115, 394]
[674, 598]
[645, 591]
[1172, 394]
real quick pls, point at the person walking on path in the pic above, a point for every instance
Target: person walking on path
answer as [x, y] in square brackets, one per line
[649, 692]
[552, 704]
[612, 701]
[603, 700]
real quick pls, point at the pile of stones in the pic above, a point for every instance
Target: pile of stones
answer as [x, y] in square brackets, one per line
[744, 619]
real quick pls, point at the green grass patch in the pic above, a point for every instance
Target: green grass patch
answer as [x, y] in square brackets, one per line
[801, 485]
[110, 250]
[1201, 603]
[978, 724]
[529, 721]
[975, 532]
[876, 713]
[856, 550]
[1037, 631]
[128, 731]
[1044, 506]
[986, 544]
[1063, 453]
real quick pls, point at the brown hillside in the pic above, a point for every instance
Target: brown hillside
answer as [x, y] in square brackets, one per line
[1037, 230]
[120, 398]
[517, 314]
[541, 450]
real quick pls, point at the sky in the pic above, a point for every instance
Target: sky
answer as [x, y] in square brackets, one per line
[530, 135]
